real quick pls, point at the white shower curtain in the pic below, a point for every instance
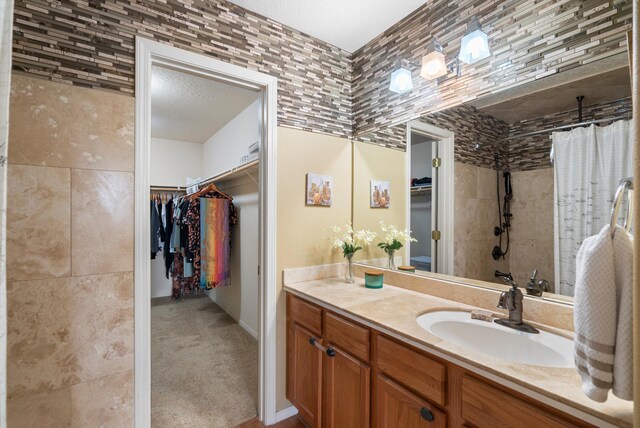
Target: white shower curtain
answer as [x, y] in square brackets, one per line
[589, 164]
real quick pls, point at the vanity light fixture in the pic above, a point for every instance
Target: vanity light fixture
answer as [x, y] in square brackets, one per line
[401, 80]
[474, 46]
[434, 64]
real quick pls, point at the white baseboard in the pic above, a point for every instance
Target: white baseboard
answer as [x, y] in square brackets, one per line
[156, 297]
[286, 413]
[242, 324]
[248, 329]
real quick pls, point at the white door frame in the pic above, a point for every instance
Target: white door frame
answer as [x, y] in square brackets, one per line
[445, 193]
[149, 53]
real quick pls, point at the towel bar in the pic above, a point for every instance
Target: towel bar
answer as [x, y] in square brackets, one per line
[626, 184]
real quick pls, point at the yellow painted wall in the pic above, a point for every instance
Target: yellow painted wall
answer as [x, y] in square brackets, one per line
[301, 229]
[372, 162]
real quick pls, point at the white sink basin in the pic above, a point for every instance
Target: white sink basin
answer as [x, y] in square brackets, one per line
[544, 349]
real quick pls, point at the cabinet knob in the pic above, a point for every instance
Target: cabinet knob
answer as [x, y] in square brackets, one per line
[331, 352]
[312, 341]
[426, 414]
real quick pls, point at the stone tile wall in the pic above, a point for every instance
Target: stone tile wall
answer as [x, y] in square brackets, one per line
[476, 135]
[91, 44]
[70, 256]
[476, 215]
[532, 232]
[529, 40]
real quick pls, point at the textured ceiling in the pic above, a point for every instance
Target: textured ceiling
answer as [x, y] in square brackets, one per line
[347, 24]
[602, 88]
[191, 108]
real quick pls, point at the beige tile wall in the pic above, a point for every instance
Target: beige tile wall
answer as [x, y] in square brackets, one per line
[532, 232]
[476, 215]
[70, 256]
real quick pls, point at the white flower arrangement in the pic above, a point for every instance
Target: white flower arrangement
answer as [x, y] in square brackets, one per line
[394, 238]
[349, 241]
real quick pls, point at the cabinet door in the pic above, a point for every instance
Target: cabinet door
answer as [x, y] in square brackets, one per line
[304, 374]
[398, 408]
[346, 391]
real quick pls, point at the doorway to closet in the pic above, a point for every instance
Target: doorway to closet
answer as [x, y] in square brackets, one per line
[430, 196]
[205, 258]
[205, 139]
[422, 204]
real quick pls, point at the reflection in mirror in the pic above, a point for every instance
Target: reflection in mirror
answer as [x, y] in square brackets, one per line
[517, 210]
[373, 164]
[421, 149]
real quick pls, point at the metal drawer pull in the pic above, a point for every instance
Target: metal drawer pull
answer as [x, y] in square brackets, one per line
[315, 343]
[329, 351]
[426, 414]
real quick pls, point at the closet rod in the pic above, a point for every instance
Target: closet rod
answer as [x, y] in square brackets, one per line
[167, 189]
[226, 173]
[560, 128]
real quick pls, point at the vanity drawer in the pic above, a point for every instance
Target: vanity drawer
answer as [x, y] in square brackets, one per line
[486, 406]
[348, 336]
[412, 369]
[305, 314]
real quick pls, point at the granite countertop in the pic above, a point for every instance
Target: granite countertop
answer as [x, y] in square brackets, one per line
[394, 310]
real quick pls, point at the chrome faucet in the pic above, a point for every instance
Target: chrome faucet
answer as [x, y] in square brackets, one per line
[536, 288]
[512, 301]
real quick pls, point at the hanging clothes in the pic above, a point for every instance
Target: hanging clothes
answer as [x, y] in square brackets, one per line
[215, 234]
[159, 207]
[186, 272]
[155, 229]
[168, 255]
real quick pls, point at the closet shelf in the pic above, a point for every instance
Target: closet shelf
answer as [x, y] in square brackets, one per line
[230, 174]
[249, 168]
[420, 189]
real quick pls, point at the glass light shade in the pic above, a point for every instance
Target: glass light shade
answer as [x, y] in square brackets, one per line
[401, 81]
[433, 65]
[474, 47]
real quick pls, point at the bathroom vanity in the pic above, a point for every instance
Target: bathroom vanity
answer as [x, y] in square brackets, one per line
[358, 358]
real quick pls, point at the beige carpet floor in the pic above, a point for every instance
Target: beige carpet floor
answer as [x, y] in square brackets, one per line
[204, 366]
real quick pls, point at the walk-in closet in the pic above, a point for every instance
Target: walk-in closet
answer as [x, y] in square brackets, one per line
[204, 219]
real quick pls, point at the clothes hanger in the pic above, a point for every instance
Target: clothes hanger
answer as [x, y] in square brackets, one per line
[211, 187]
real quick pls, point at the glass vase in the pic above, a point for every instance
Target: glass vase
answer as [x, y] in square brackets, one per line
[348, 274]
[391, 263]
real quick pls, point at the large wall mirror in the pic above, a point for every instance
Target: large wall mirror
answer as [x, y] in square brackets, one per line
[507, 184]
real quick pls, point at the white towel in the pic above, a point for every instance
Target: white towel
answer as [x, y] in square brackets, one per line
[623, 359]
[594, 315]
[602, 315]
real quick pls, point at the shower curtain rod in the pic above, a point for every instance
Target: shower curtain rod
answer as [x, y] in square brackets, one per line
[560, 128]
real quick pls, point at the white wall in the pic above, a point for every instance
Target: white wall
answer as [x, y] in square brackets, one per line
[160, 285]
[421, 155]
[172, 161]
[224, 150]
[240, 298]
[221, 152]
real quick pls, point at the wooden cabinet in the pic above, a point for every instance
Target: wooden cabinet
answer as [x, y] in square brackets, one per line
[412, 369]
[341, 374]
[304, 378]
[398, 408]
[346, 390]
[486, 406]
[347, 335]
[326, 381]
